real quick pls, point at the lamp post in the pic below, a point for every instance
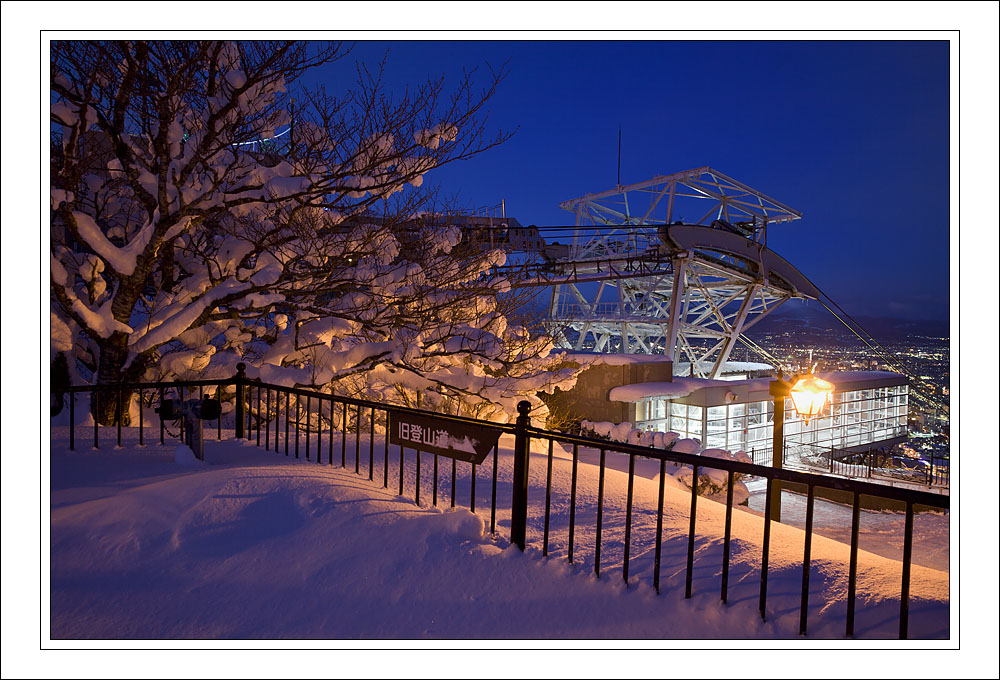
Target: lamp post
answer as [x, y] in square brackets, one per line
[809, 396]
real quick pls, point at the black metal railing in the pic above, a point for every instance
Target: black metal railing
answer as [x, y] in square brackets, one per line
[307, 424]
[872, 464]
[761, 455]
[880, 465]
[733, 468]
[122, 393]
[331, 417]
[938, 471]
[322, 416]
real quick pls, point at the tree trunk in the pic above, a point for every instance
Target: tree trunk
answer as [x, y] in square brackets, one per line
[59, 381]
[111, 371]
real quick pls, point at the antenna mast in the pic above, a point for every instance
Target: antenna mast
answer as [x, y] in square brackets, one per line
[619, 155]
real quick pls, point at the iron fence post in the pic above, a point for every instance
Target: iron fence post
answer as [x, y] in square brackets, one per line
[778, 390]
[241, 406]
[519, 500]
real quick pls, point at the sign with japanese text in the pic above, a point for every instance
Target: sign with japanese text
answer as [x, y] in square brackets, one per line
[461, 441]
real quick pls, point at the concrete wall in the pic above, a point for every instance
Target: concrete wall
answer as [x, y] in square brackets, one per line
[589, 399]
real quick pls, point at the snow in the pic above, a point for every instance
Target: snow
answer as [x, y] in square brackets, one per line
[236, 79]
[183, 455]
[59, 196]
[626, 433]
[122, 260]
[679, 387]
[100, 321]
[638, 391]
[259, 545]
[881, 531]
[433, 137]
[747, 366]
[594, 358]
[187, 364]
[62, 335]
[188, 166]
[687, 446]
[179, 316]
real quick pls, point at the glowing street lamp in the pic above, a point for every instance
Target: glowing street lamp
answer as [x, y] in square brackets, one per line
[810, 396]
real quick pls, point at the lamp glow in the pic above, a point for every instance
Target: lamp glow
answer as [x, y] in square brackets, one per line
[810, 395]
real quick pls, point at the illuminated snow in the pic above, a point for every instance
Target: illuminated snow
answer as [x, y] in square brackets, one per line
[255, 544]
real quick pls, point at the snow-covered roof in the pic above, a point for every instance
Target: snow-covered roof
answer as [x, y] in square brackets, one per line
[730, 367]
[747, 366]
[592, 358]
[680, 387]
[843, 381]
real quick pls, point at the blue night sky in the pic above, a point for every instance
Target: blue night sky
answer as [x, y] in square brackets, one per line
[853, 134]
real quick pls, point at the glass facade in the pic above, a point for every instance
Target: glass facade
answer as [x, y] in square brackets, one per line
[855, 418]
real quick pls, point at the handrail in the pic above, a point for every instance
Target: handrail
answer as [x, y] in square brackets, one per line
[300, 391]
[254, 414]
[382, 406]
[783, 474]
[114, 387]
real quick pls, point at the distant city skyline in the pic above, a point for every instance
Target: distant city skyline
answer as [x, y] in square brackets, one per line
[854, 134]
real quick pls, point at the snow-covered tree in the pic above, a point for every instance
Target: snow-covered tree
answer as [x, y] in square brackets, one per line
[201, 216]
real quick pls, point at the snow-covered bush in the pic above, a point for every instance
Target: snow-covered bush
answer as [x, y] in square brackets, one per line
[711, 483]
[627, 433]
[203, 216]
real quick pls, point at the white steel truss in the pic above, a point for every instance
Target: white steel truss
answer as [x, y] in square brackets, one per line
[704, 282]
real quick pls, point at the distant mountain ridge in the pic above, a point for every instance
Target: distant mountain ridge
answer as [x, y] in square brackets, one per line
[811, 319]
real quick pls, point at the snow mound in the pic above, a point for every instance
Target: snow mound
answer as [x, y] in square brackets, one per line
[465, 526]
[183, 455]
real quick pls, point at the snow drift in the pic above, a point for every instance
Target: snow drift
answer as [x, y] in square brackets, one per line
[257, 545]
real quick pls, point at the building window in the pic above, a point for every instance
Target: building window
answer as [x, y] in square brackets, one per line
[855, 418]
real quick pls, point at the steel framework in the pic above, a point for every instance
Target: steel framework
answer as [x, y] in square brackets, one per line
[638, 278]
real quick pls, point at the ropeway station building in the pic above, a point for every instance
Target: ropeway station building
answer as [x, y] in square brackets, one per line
[671, 273]
[868, 411]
